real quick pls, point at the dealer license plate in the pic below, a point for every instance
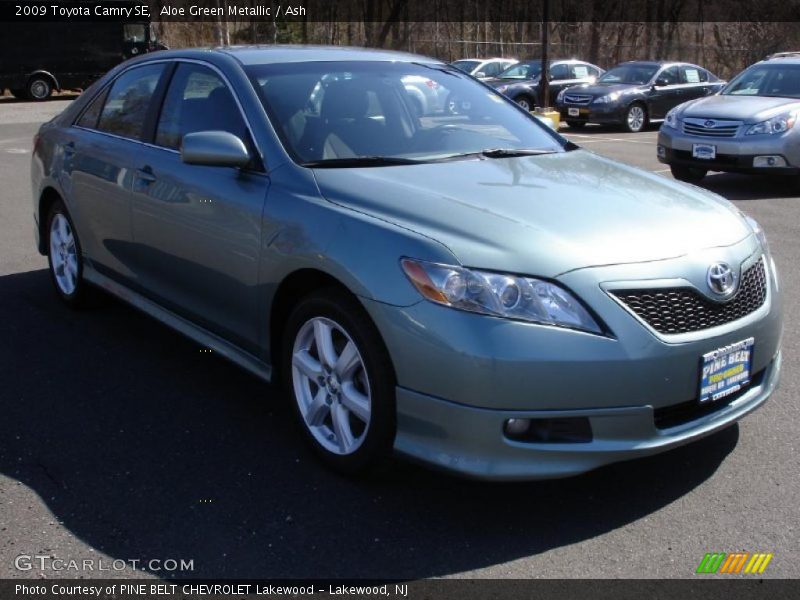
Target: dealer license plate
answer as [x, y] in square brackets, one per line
[574, 112]
[726, 370]
[704, 151]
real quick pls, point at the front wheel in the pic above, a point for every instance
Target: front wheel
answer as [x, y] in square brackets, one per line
[688, 174]
[339, 376]
[525, 103]
[635, 118]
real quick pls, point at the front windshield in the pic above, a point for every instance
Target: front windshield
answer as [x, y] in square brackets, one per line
[466, 65]
[636, 74]
[332, 111]
[778, 80]
[522, 71]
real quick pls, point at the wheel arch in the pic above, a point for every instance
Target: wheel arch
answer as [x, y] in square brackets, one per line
[42, 72]
[47, 199]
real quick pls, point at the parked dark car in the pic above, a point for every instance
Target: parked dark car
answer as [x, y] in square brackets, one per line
[521, 81]
[636, 93]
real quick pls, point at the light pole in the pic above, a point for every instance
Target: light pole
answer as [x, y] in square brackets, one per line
[544, 80]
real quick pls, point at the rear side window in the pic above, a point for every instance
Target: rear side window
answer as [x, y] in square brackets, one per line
[197, 100]
[128, 101]
[580, 72]
[92, 113]
[693, 75]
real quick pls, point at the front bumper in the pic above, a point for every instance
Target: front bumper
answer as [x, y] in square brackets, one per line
[603, 114]
[733, 155]
[461, 375]
[470, 441]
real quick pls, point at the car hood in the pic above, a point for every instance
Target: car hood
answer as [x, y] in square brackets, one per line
[596, 89]
[540, 215]
[737, 108]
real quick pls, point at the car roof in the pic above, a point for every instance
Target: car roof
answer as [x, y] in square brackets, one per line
[256, 55]
[274, 54]
[658, 63]
[789, 58]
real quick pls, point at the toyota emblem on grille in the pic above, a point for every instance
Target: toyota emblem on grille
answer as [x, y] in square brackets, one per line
[709, 124]
[721, 279]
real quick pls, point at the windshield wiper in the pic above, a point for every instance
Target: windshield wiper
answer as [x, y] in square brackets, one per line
[360, 161]
[509, 152]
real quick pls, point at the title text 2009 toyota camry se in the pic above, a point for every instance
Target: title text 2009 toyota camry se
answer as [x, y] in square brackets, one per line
[471, 289]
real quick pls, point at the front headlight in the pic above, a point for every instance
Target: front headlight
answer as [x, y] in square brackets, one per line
[779, 124]
[612, 97]
[759, 233]
[560, 96]
[502, 88]
[671, 120]
[499, 295]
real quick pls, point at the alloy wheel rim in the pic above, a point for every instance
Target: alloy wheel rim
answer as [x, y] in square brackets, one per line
[331, 385]
[524, 104]
[635, 117]
[63, 254]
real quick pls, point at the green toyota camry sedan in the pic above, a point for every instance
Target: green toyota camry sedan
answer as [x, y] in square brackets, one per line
[455, 283]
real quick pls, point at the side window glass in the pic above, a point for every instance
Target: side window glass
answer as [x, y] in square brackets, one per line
[91, 115]
[670, 75]
[579, 72]
[492, 69]
[128, 101]
[692, 75]
[197, 100]
[559, 72]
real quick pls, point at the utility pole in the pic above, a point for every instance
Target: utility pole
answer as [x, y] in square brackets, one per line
[544, 80]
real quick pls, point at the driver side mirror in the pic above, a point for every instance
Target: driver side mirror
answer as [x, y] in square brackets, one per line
[661, 82]
[214, 149]
[480, 74]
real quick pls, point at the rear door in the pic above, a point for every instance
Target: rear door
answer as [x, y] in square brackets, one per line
[695, 82]
[197, 229]
[100, 160]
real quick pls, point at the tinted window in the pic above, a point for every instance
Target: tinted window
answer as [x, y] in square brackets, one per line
[522, 71]
[126, 108]
[670, 76]
[197, 100]
[92, 112]
[638, 74]
[339, 110]
[466, 65]
[492, 69]
[559, 72]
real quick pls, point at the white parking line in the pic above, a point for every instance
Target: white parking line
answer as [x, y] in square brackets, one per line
[15, 140]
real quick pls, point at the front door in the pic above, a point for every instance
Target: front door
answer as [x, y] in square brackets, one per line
[197, 229]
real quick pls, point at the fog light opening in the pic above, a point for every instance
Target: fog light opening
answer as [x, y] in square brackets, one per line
[563, 430]
[662, 151]
[769, 161]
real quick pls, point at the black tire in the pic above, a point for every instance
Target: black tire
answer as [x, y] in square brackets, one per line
[525, 100]
[576, 124]
[378, 437]
[82, 294]
[39, 88]
[688, 174]
[637, 125]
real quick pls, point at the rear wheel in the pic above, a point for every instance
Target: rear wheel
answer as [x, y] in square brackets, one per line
[688, 174]
[576, 124]
[40, 87]
[64, 257]
[339, 376]
[635, 118]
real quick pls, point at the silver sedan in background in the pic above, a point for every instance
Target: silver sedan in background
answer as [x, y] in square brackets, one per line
[749, 127]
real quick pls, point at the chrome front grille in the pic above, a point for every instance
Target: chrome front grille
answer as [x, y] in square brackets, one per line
[684, 309]
[577, 98]
[711, 128]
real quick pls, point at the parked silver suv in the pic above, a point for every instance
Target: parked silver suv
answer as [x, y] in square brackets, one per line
[749, 127]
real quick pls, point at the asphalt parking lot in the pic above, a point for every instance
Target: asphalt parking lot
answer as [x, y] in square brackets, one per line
[119, 439]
